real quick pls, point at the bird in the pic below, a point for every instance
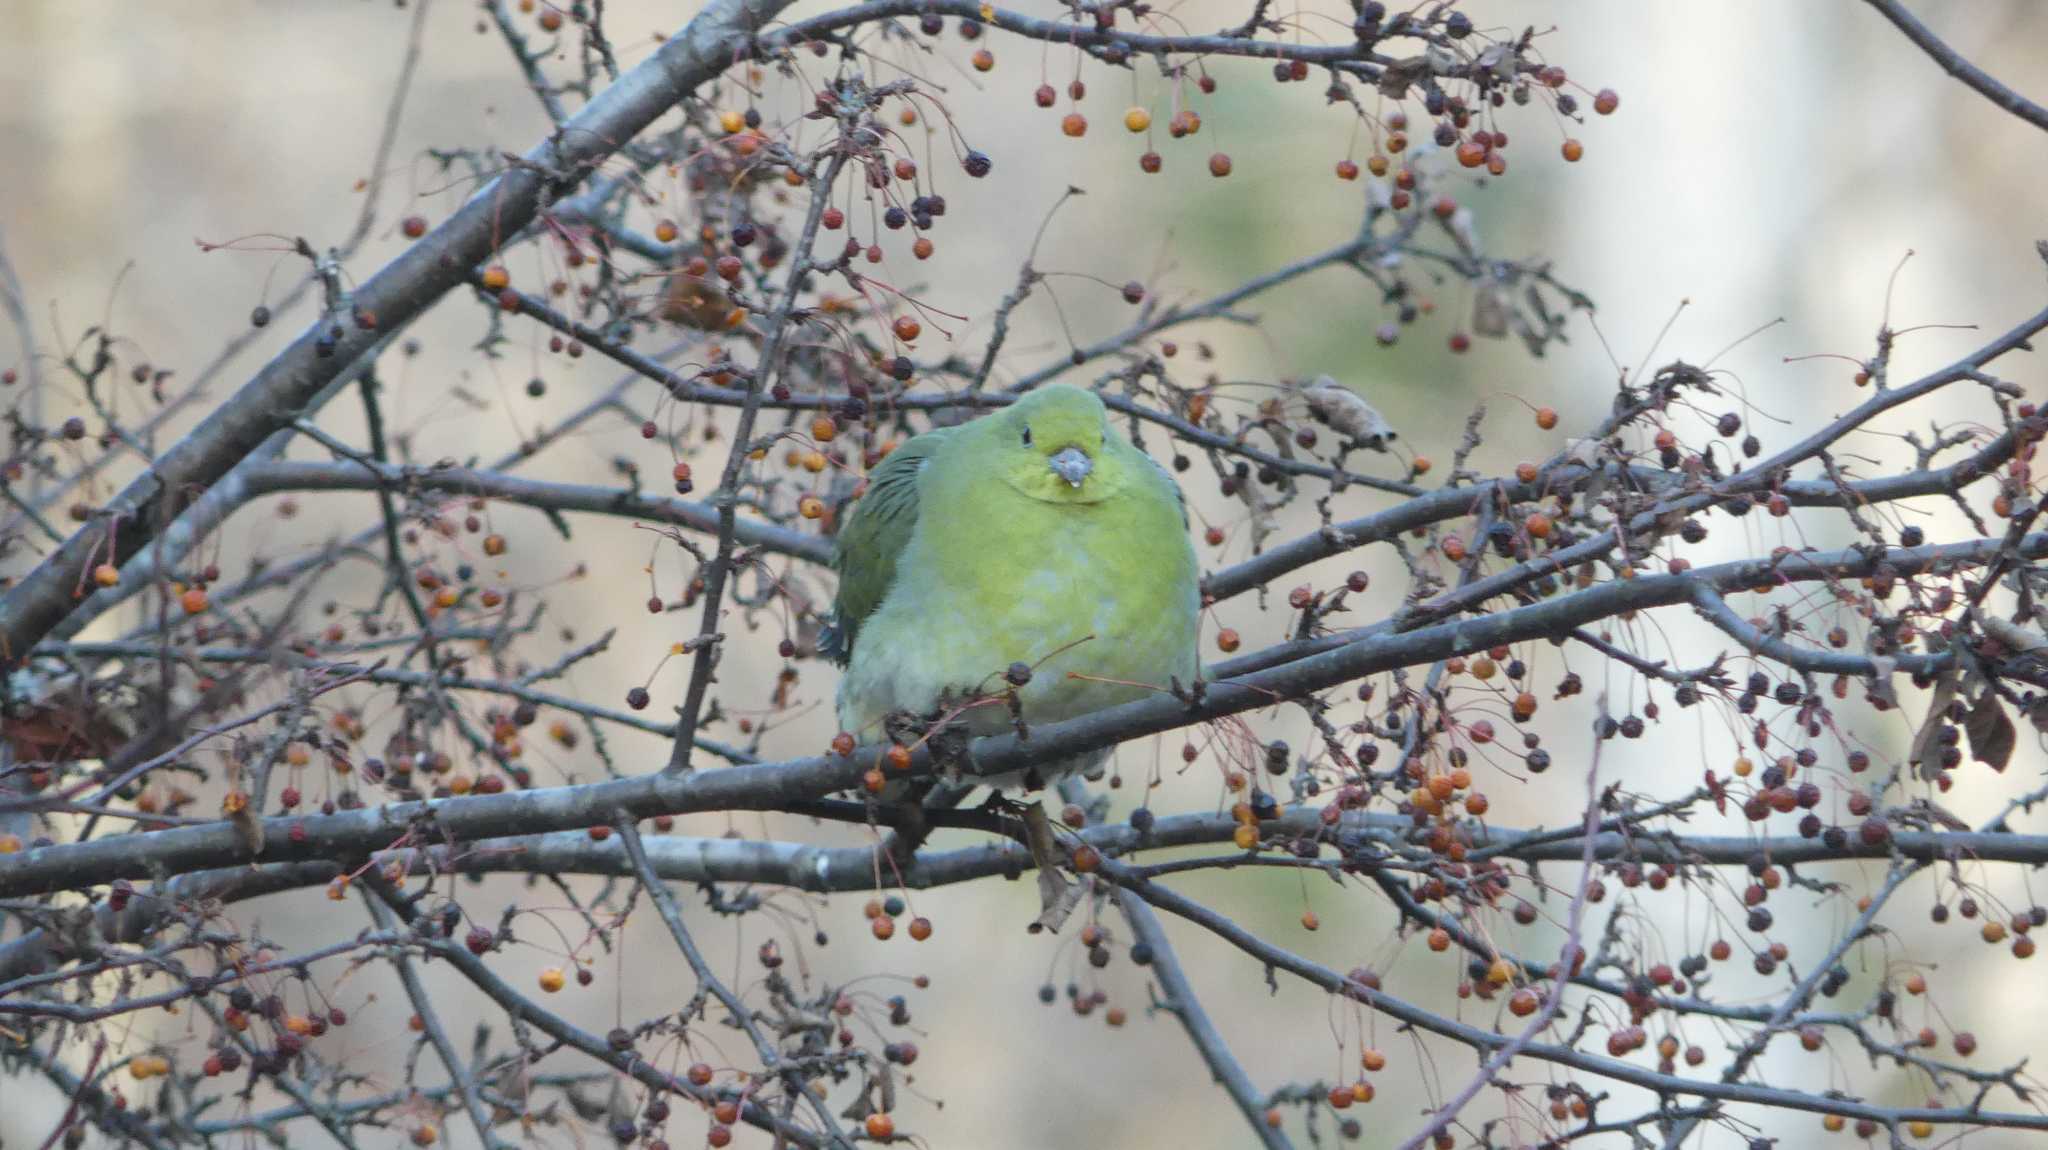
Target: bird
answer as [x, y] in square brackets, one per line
[1031, 550]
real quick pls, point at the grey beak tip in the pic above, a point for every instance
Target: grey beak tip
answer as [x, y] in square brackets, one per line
[1073, 465]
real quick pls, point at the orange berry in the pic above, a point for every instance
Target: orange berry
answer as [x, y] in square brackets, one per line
[898, 757]
[1074, 124]
[1439, 939]
[1309, 921]
[920, 928]
[551, 979]
[193, 601]
[1538, 525]
[810, 507]
[1137, 119]
[984, 59]
[496, 278]
[1219, 165]
[1373, 1059]
[1546, 417]
[494, 545]
[880, 1125]
[106, 574]
[1572, 150]
[1453, 549]
[1421, 465]
[1227, 640]
[732, 122]
[907, 328]
[1347, 170]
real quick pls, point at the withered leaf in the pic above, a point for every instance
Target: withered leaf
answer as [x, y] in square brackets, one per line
[1937, 713]
[1490, 312]
[1991, 732]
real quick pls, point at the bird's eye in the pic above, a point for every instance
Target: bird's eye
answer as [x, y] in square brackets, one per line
[1027, 435]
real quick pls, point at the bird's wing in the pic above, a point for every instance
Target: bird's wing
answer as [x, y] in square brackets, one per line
[872, 539]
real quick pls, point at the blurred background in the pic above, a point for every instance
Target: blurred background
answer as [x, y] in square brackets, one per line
[1768, 162]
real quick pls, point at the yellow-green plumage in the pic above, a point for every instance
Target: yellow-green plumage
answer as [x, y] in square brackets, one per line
[974, 548]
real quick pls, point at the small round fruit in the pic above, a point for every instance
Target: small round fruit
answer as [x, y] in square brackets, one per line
[1137, 120]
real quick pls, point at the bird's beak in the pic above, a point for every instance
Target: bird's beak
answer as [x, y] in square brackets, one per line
[1072, 464]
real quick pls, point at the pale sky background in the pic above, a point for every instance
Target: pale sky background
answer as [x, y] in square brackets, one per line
[1769, 160]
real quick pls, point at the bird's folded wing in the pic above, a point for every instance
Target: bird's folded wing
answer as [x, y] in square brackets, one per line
[873, 537]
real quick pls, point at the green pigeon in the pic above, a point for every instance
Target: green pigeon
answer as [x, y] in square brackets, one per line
[1033, 535]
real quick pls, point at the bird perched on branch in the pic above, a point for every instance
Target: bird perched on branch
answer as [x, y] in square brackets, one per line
[1030, 558]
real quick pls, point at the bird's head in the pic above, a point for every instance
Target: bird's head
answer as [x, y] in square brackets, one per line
[1050, 446]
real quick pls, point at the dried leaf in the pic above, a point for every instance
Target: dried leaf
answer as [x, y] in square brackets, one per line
[1583, 450]
[1937, 713]
[1490, 312]
[1396, 77]
[1991, 732]
[2013, 637]
[1347, 413]
[1057, 894]
[1882, 668]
